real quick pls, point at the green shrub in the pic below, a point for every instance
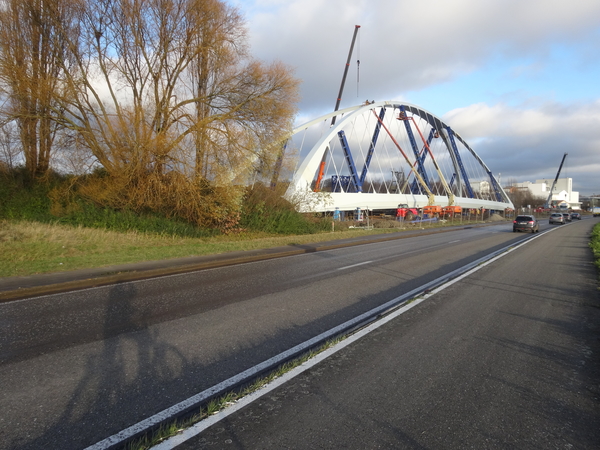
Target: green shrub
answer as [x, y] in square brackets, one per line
[23, 199]
[595, 244]
[56, 199]
[45, 201]
[89, 215]
[265, 210]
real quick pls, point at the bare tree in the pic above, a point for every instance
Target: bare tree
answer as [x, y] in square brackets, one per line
[31, 59]
[163, 90]
[154, 76]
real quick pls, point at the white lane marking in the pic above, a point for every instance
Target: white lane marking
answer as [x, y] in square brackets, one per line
[454, 242]
[354, 265]
[437, 285]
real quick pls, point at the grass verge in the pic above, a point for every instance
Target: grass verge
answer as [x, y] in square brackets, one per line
[168, 430]
[28, 247]
[595, 244]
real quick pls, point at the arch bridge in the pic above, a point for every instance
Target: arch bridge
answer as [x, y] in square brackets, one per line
[379, 155]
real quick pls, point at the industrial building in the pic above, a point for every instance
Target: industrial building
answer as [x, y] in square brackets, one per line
[563, 195]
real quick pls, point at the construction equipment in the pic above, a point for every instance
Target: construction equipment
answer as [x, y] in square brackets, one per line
[432, 211]
[548, 203]
[337, 106]
[451, 211]
[406, 213]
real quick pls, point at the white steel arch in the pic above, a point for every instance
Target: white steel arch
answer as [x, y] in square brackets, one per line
[452, 149]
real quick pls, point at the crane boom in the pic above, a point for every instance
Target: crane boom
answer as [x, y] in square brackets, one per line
[339, 97]
[549, 200]
[337, 106]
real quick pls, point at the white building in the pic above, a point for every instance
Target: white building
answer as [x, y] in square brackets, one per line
[562, 196]
[483, 187]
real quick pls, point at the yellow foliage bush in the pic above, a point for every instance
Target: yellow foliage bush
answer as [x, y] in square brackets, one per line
[172, 195]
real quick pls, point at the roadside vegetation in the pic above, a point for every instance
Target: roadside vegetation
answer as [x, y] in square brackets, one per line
[595, 244]
[154, 111]
[40, 232]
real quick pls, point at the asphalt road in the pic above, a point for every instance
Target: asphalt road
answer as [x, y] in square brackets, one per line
[507, 358]
[78, 367]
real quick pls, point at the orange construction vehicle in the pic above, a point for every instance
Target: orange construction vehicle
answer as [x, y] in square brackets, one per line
[432, 211]
[451, 211]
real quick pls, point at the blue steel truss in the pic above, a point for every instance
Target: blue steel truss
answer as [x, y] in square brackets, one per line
[363, 175]
[413, 144]
[495, 186]
[415, 187]
[463, 172]
[350, 161]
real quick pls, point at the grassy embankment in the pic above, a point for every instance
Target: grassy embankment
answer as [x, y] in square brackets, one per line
[595, 244]
[34, 238]
[32, 247]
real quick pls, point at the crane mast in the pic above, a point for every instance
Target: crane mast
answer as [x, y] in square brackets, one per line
[339, 97]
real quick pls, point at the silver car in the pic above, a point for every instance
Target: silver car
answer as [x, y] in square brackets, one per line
[557, 218]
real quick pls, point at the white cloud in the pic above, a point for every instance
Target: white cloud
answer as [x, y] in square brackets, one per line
[493, 68]
[529, 143]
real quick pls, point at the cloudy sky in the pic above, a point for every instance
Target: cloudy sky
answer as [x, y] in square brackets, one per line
[519, 80]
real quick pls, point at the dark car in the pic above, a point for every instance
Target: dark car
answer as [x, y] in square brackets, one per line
[567, 217]
[557, 218]
[575, 216]
[526, 223]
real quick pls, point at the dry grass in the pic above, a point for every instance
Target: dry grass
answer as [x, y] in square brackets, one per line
[29, 247]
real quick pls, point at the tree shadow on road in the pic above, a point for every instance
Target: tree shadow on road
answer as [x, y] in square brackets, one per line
[107, 396]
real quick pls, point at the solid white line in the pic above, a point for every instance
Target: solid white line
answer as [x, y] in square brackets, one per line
[196, 429]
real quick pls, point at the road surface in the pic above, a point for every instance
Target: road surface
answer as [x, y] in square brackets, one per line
[78, 367]
[506, 358]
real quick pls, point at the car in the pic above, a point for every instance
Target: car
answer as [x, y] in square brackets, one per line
[557, 218]
[526, 223]
[576, 216]
[567, 217]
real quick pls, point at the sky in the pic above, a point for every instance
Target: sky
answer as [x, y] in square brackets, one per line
[519, 80]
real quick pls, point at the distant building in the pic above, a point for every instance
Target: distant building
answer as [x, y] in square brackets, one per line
[483, 187]
[563, 195]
